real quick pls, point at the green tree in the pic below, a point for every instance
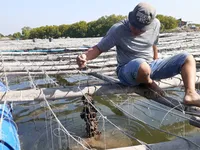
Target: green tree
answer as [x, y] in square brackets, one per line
[63, 29]
[17, 35]
[167, 22]
[52, 31]
[91, 32]
[33, 33]
[102, 25]
[78, 30]
[41, 32]
[110, 21]
[82, 29]
[26, 32]
[1, 35]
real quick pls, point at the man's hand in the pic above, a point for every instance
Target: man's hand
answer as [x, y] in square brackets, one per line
[90, 54]
[81, 61]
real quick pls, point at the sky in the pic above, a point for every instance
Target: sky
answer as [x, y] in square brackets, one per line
[15, 14]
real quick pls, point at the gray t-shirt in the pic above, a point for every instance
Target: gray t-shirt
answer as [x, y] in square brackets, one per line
[130, 47]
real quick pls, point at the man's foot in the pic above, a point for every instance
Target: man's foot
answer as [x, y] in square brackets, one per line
[155, 89]
[192, 98]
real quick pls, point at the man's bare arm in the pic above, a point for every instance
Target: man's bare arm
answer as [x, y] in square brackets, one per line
[90, 54]
[155, 52]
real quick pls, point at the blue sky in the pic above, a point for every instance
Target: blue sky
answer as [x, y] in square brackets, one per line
[16, 14]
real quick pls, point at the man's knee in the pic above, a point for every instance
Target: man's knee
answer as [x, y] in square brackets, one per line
[144, 72]
[190, 58]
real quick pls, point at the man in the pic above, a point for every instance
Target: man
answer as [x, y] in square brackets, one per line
[137, 56]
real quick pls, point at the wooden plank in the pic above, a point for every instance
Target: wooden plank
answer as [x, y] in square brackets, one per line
[165, 83]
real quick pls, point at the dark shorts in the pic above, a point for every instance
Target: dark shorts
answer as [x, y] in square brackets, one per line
[160, 68]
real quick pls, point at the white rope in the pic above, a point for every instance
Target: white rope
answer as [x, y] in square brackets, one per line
[168, 113]
[47, 76]
[29, 74]
[168, 100]
[34, 86]
[155, 127]
[104, 117]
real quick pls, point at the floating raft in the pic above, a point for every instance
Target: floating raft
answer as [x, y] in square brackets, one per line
[111, 87]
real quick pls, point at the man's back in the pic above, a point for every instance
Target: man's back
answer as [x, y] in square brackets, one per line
[129, 46]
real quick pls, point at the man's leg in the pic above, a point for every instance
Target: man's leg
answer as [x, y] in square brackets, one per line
[136, 72]
[143, 76]
[127, 73]
[188, 72]
[184, 64]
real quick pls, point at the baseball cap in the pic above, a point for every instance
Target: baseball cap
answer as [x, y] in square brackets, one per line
[142, 16]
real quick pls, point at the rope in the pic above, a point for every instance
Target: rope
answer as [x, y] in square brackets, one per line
[125, 133]
[153, 126]
[61, 125]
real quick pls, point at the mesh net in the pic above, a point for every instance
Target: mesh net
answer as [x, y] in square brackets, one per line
[52, 79]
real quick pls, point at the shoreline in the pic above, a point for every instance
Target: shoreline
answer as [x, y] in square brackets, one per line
[64, 43]
[45, 44]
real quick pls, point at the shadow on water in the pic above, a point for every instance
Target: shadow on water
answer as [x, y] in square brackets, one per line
[38, 129]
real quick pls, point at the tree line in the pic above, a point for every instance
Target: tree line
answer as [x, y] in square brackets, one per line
[97, 28]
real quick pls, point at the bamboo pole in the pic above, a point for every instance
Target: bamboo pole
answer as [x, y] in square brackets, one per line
[105, 70]
[35, 63]
[51, 57]
[56, 68]
[50, 63]
[22, 53]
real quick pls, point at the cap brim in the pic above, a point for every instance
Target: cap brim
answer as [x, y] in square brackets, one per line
[147, 27]
[143, 27]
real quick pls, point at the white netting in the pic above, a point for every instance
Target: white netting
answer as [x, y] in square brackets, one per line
[124, 119]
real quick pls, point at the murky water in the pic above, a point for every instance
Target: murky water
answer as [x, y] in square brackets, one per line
[39, 130]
